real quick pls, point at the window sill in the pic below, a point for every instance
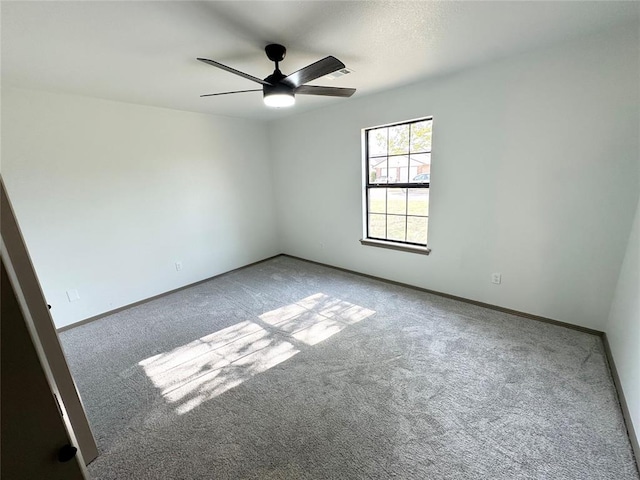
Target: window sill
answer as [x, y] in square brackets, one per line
[395, 246]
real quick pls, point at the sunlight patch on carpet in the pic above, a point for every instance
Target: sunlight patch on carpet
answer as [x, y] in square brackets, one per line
[209, 366]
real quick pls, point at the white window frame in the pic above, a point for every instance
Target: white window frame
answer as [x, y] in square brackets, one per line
[367, 186]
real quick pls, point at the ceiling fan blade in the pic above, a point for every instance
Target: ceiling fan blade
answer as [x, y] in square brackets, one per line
[227, 93]
[328, 91]
[316, 70]
[233, 70]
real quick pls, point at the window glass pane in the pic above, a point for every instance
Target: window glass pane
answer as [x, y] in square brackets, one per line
[420, 168]
[378, 200]
[399, 139]
[418, 201]
[417, 229]
[396, 225]
[396, 201]
[398, 169]
[377, 225]
[378, 170]
[421, 136]
[378, 142]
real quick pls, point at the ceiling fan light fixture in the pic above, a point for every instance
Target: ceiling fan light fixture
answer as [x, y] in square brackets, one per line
[279, 90]
[279, 99]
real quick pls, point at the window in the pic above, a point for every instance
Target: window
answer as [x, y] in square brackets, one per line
[397, 177]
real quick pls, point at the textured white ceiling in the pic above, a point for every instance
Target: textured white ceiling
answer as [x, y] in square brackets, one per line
[145, 52]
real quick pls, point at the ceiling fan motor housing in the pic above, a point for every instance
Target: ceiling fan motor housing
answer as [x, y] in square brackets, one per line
[279, 88]
[277, 85]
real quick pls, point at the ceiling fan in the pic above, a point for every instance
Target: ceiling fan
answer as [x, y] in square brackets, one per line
[279, 90]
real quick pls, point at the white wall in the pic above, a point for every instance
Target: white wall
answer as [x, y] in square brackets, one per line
[534, 175]
[623, 329]
[110, 195]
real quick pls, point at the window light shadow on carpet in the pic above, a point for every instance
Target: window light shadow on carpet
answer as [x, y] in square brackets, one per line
[201, 370]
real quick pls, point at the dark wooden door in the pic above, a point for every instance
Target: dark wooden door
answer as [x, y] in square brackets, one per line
[33, 431]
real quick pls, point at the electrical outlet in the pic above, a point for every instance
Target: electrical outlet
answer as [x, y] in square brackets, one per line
[496, 278]
[178, 266]
[73, 295]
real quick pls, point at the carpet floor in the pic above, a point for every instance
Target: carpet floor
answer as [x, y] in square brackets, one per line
[291, 370]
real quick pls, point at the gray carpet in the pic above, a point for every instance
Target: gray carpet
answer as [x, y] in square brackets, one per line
[291, 370]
